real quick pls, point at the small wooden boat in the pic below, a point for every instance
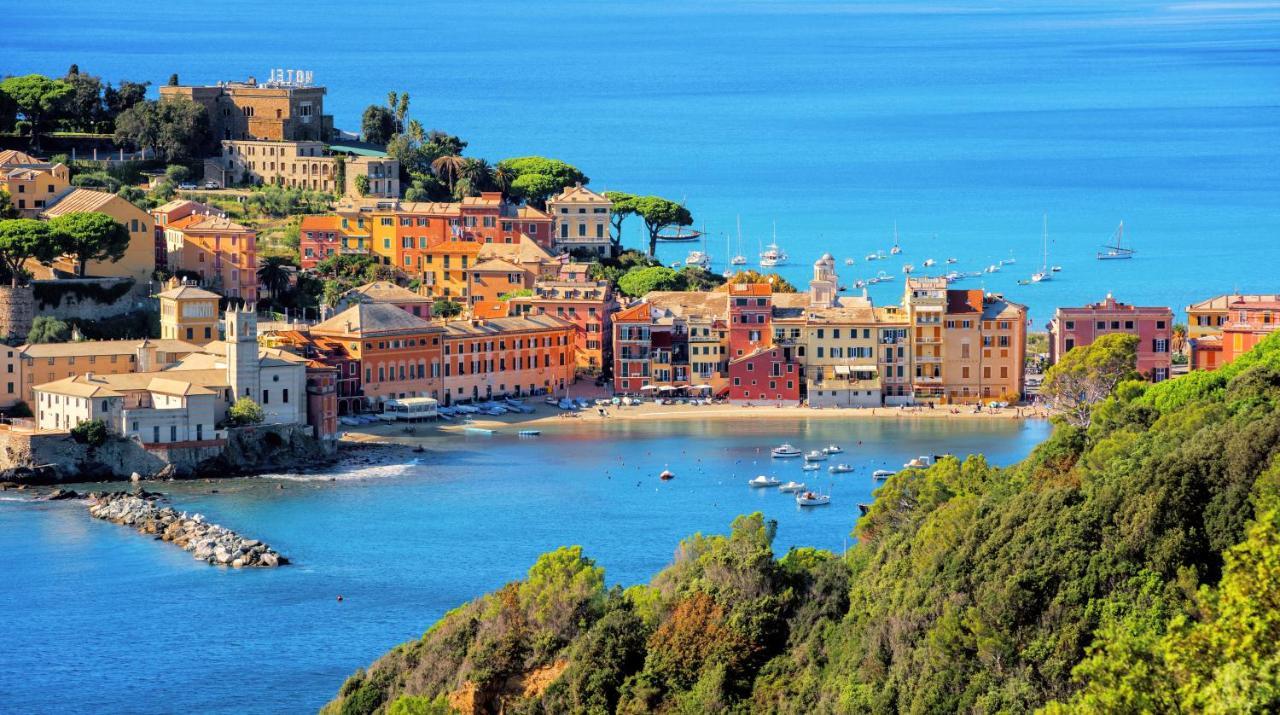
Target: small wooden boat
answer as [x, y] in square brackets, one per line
[680, 234]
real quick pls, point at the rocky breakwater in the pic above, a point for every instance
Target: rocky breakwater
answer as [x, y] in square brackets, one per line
[207, 542]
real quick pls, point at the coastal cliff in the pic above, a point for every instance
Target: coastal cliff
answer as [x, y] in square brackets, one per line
[52, 458]
[1131, 565]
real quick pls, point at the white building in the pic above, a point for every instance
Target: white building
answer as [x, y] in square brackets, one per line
[185, 402]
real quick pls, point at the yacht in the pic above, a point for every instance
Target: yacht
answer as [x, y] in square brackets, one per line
[812, 499]
[1117, 250]
[792, 487]
[833, 449]
[908, 269]
[951, 260]
[884, 277]
[698, 258]
[738, 259]
[929, 263]
[953, 276]
[772, 255]
[811, 466]
[882, 474]
[784, 451]
[896, 248]
[815, 456]
[1044, 274]
[763, 481]
[841, 468]
[667, 475]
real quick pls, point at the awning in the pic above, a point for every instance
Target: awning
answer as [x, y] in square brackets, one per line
[842, 369]
[649, 387]
[667, 388]
[700, 387]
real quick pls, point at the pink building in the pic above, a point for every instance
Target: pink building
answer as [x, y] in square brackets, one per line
[765, 376]
[1072, 327]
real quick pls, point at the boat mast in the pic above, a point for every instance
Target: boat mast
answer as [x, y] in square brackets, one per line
[1044, 266]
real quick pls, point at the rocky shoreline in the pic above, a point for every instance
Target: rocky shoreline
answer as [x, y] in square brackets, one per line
[211, 543]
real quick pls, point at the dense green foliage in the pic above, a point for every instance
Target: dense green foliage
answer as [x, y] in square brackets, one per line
[446, 308]
[1129, 566]
[22, 239]
[780, 284]
[244, 411]
[1087, 374]
[634, 273]
[48, 329]
[175, 128]
[89, 236]
[90, 432]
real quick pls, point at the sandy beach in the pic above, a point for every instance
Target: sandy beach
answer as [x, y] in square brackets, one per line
[649, 411]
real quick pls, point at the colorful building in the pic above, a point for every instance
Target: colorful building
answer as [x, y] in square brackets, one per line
[188, 313]
[46, 362]
[524, 355]
[399, 354]
[310, 165]
[32, 183]
[586, 304]
[275, 110]
[765, 376]
[139, 259]
[1153, 326]
[582, 221]
[223, 253]
[389, 293]
[1245, 321]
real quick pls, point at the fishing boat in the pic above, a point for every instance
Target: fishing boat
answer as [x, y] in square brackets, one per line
[929, 263]
[763, 481]
[667, 475]
[1044, 274]
[1115, 249]
[881, 474]
[833, 449]
[811, 466]
[680, 233]
[812, 499]
[792, 487]
[841, 468]
[815, 456]
[783, 451]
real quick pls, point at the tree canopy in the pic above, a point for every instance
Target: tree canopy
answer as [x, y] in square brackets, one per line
[377, 124]
[659, 213]
[780, 284]
[624, 205]
[534, 179]
[48, 329]
[1089, 373]
[446, 308]
[35, 97]
[175, 128]
[244, 411]
[89, 236]
[22, 239]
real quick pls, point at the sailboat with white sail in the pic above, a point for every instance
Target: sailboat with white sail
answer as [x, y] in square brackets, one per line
[1044, 273]
[1115, 249]
[738, 259]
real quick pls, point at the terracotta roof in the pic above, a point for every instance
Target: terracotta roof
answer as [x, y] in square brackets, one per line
[9, 157]
[188, 292]
[496, 265]
[373, 319]
[328, 222]
[578, 193]
[690, 303]
[522, 251]
[203, 222]
[386, 292]
[637, 312]
[79, 200]
[514, 324]
[964, 301]
[490, 310]
[77, 386]
[104, 347]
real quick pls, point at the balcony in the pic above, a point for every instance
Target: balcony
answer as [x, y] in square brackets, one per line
[929, 358]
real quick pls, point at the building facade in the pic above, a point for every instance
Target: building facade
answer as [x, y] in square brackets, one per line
[1245, 321]
[290, 110]
[220, 252]
[139, 259]
[188, 313]
[1153, 326]
[524, 355]
[32, 183]
[586, 304]
[398, 353]
[310, 165]
[582, 221]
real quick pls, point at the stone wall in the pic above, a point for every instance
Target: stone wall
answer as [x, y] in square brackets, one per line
[91, 298]
[54, 457]
[17, 311]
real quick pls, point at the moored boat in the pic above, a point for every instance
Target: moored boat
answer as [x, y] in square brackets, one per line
[667, 475]
[841, 468]
[812, 499]
[783, 451]
[881, 474]
[791, 487]
[763, 481]
[530, 432]
[815, 456]
[811, 467]
[833, 449]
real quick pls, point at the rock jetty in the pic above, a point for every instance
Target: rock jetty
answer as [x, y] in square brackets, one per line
[207, 542]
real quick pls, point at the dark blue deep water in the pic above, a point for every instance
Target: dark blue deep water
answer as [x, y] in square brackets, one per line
[98, 618]
[964, 122]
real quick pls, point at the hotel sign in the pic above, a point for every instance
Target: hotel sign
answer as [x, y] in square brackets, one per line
[289, 78]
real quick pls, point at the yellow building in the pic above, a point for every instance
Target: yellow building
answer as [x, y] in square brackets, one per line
[188, 313]
[139, 260]
[582, 220]
[925, 300]
[46, 362]
[32, 183]
[305, 165]
[1207, 317]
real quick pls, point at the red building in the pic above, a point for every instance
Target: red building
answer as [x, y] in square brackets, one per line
[1074, 327]
[750, 318]
[322, 399]
[765, 376]
[632, 348]
[318, 238]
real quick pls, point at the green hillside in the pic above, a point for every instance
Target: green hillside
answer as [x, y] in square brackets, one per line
[1130, 565]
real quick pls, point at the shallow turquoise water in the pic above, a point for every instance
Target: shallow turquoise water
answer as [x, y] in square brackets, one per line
[962, 122]
[100, 618]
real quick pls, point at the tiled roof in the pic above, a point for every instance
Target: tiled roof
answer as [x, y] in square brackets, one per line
[964, 301]
[188, 292]
[203, 222]
[496, 265]
[9, 157]
[104, 347]
[523, 251]
[78, 200]
[386, 292]
[490, 310]
[328, 222]
[77, 387]
[493, 326]
[372, 319]
[578, 193]
[690, 303]
[172, 386]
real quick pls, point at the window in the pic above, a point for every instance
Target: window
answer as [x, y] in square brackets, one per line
[266, 397]
[1160, 345]
[285, 397]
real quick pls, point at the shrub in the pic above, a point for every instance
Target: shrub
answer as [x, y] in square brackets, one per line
[245, 412]
[91, 432]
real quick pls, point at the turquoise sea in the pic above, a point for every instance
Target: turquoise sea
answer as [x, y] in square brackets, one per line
[98, 618]
[963, 122]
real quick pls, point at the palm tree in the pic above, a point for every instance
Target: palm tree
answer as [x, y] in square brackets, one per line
[449, 168]
[502, 177]
[477, 172]
[273, 274]
[1179, 338]
[416, 132]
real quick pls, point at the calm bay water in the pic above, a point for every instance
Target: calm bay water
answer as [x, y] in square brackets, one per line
[962, 122]
[102, 619]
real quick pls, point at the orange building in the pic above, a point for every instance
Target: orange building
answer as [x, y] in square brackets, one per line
[220, 251]
[586, 304]
[1247, 320]
[139, 259]
[527, 355]
[32, 183]
[398, 352]
[47, 362]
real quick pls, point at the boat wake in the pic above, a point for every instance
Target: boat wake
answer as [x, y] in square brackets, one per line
[377, 471]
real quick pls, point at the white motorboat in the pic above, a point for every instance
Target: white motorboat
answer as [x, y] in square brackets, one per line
[953, 276]
[882, 474]
[833, 449]
[763, 481]
[811, 466]
[873, 257]
[929, 263]
[952, 260]
[783, 451]
[772, 256]
[841, 468]
[667, 475]
[739, 260]
[529, 432]
[884, 277]
[859, 284]
[848, 261]
[812, 499]
[872, 281]
[993, 268]
[815, 456]
[699, 259]
[792, 487]
[920, 462]
[908, 268]
[1055, 269]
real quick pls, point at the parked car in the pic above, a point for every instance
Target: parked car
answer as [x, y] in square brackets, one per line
[211, 185]
[187, 186]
